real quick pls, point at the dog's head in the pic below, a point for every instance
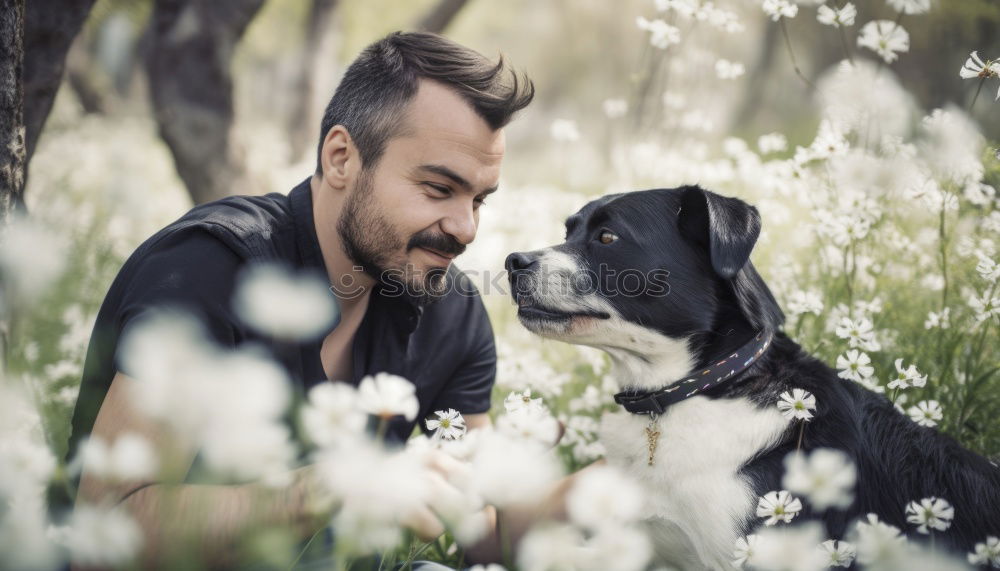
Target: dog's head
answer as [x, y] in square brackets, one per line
[657, 278]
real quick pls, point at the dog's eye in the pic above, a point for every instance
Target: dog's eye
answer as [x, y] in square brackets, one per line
[607, 237]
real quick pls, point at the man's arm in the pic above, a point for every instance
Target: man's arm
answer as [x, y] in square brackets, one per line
[209, 518]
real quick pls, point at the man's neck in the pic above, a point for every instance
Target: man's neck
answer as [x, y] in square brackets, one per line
[351, 285]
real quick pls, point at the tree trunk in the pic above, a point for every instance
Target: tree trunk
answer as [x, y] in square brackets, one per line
[49, 29]
[12, 159]
[316, 67]
[441, 15]
[192, 43]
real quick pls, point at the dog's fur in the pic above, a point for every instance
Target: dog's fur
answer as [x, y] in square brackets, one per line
[718, 452]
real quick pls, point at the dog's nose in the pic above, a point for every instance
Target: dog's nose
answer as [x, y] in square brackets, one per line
[519, 261]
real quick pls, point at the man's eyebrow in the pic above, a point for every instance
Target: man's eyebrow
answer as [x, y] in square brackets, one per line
[455, 177]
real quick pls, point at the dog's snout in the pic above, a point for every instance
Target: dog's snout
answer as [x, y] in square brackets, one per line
[520, 261]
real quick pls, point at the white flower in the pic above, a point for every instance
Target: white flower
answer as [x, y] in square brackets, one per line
[886, 38]
[516, 400]
[778, 506]
[386, 395]
[661, 34]
[604, 496]
[987, 553]
[987, 268]
[826, 478]
[744, 551]
[778, 9]
[332, 413]
[871, 383]
[878, 542]
[788, 548]
[619, 547]
[564, 131]
[100, 538]
[942, 319]
[926, 413]
[838, 553]
[930, 514]
[854, 365]
[975, 67]
[286, 305]
[772, 143]
[797, 404]
[32, 257]
[553, 546]
[130, 457]
[498, 469]
[910, 6]
[905, 378]
[837, 17]
[858, 333]
[726, 69]
[984, 307]
[614, 108]
[801, 302]
[449, 424]
[531, 423]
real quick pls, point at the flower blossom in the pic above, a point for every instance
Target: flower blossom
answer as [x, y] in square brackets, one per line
[448, 425]
[838, 553]
[905, 378]
[797, 404]
[930, 514]
[778, 9]
[854, 366]
[837, 17]
[826, 477]
[778, 506]
[886, 38]
[926, 413]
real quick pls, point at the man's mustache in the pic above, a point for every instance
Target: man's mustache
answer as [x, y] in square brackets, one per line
[441, 242]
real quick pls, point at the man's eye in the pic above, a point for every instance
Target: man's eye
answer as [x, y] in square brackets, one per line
[607, 237]
[479, 202]
[438, 188]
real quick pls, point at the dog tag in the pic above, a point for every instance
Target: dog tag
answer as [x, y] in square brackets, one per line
[652, 438]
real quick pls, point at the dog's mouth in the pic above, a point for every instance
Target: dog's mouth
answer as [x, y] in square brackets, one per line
[529, 309]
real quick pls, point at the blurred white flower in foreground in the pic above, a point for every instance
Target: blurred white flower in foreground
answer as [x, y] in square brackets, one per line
[558, 546]
[449, 424]
[987, 268]
[985, 306]
[838, 553]
[926, 413]
[332, 413]
[32, 257]
[386, 395]
[129, 457]
[229, 403]
[910, 6]
[661, 34]
[745, 551]
[951, 145]
[97, 537]
[986, 553]
[797, 404]
[837, 17]
[772, 143]
[826, 478]
[509, 470]
[778, 506]
[778, 9]
[286, 305]
[532, 424]
[886, 38]
[603, 496]
[518, 400]
[789, 548]
[930, 514]
[878, 543]
[801, 302]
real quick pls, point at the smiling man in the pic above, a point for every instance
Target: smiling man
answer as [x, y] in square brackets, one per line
[411, 146]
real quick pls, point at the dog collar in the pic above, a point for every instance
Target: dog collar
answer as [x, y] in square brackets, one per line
[655, 402]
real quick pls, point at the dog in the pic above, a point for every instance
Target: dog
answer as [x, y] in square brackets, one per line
[661, 280]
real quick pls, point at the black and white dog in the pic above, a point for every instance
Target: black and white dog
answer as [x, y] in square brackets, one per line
[661, 280]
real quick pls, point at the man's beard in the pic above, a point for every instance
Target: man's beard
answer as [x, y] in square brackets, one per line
[370, 241]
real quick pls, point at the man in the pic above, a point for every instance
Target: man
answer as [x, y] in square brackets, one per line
[411, 145]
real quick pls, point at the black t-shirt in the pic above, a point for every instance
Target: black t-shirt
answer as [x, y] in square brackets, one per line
[446, 349]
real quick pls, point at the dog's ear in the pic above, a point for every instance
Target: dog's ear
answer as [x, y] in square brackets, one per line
[726, 227]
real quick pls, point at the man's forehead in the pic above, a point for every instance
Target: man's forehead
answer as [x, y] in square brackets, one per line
[438, 113]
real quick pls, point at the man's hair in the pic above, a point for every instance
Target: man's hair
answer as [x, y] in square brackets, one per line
[372, 96]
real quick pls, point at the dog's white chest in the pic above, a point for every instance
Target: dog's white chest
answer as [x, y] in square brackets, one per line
[694, 482]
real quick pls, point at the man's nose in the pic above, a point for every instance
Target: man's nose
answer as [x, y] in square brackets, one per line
[520, 261]
[461, 223]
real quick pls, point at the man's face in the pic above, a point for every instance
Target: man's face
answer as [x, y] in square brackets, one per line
[406, 218]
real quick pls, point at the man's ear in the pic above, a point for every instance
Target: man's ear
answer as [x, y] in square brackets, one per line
[727, 227]
[339, 158]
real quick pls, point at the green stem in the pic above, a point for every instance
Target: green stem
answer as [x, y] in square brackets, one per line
[791, 54]
[802, 431]
[976, 96]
